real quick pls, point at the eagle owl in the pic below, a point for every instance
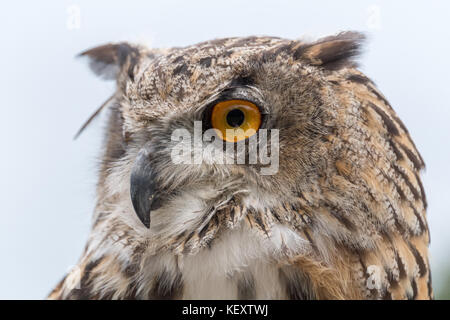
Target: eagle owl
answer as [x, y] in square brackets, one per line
[342, 217]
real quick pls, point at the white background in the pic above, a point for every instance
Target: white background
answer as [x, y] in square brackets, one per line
[47, 180]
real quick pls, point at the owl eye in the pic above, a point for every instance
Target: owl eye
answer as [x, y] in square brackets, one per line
[235, 120]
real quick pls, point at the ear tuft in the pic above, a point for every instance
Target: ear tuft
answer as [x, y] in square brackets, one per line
[107, 60]
[333, 52]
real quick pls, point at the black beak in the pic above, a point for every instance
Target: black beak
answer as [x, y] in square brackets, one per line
[143, 189]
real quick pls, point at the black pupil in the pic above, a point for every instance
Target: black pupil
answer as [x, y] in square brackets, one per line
[235, 118]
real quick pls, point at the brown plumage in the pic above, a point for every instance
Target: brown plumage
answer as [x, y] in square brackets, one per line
[344, 217]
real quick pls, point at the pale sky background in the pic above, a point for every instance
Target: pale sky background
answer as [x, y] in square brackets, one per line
[47, 180]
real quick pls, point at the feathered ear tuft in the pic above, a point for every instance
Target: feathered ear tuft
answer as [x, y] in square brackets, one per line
[333, 52]
[107, 60]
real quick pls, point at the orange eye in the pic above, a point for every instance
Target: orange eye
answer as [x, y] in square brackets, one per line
[235, 120]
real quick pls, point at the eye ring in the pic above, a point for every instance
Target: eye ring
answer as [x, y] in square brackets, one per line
[235, 120]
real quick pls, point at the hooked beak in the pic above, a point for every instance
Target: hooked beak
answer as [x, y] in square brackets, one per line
[143, 188]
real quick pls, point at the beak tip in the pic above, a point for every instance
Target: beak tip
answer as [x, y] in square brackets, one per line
[142, 211]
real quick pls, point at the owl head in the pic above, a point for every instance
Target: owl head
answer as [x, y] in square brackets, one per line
[259, 128]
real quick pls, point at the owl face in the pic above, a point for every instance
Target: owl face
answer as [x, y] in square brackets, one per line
[270, 87]
[259, 84]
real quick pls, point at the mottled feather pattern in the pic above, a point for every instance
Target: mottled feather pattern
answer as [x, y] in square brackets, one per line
[344, 218]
